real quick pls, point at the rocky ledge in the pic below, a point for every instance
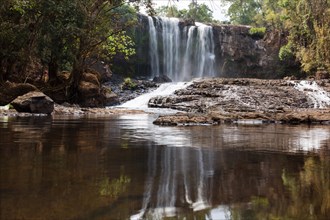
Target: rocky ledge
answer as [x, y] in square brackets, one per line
[213, 101]
[70, 110]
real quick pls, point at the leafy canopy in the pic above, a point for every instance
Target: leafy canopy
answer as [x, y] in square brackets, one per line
[196, 12]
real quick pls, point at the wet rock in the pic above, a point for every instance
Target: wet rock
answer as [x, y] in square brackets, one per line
[161, 79]
[33, 102]
[184, 120]
[241, 99]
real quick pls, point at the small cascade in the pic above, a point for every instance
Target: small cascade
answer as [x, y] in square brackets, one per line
[319, 97]
[181, 53]
[141, 102]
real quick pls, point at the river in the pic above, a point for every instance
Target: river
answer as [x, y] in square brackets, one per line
[124, 167]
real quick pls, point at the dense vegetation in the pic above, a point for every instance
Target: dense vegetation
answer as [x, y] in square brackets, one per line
[62, 35]
[307, 23]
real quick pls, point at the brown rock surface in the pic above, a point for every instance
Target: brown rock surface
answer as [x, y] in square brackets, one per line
[223, 99]
[9, 91]
[33, 102]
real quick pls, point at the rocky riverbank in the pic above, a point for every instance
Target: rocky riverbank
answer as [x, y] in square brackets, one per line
[224, 100]
[71, 110]
[214, 101]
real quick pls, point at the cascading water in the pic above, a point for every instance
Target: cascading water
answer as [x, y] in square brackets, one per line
[153, 47]
[319, 97]
[183, 53]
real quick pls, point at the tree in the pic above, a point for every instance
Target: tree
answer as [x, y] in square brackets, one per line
[62, 35]
[309, 38]
[199, 12]
[196, 12]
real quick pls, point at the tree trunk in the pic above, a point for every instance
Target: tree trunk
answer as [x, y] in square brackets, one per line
[75, 78]
[52, 71]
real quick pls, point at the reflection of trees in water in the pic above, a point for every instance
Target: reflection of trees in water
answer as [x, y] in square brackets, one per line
[310, 189]
[306, 195]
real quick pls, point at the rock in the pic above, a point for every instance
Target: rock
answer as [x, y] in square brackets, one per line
[9, 91]
[91, 78]
[322, 74]
[244, 99]
[186, 22]
[161, 79]
[110, 98]
[184, 119]
[34, 102]
[88, 89]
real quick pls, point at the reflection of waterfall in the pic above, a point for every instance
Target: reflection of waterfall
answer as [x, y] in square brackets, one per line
[184, 53]
[177, 183]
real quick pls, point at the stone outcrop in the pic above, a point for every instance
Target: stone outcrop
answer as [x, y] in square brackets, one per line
[33, 102]
[240, 54]
[9, 91]
[93, 94]
[222, 100]
[161, 79]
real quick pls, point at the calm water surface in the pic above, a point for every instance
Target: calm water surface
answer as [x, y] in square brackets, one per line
[125, 167]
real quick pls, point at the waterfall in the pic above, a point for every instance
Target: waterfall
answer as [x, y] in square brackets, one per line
[180, 53]
[153, 47]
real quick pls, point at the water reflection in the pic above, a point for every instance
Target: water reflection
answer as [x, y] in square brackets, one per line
[127, 168]
[183, 178]
[273, 137]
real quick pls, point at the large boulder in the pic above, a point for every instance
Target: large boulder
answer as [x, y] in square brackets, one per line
[9, 91]
[33, 102]
[93, 94]
[109, 97]
[90, 90]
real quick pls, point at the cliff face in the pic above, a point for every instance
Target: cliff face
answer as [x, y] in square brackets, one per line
[237, 52]
[241, 55]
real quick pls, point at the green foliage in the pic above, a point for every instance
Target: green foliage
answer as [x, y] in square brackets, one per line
[128, 84]
[63, 35]
[309, 25]
[257, 32]
[196, 12]
[286, 52]
[119, 43]
[243, 12]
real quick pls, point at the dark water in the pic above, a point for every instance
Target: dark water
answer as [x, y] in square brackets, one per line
[126, 168]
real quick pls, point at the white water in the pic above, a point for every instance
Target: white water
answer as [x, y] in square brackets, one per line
[165, 89]
[319, 97]
[153, 47]
[183, 54]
